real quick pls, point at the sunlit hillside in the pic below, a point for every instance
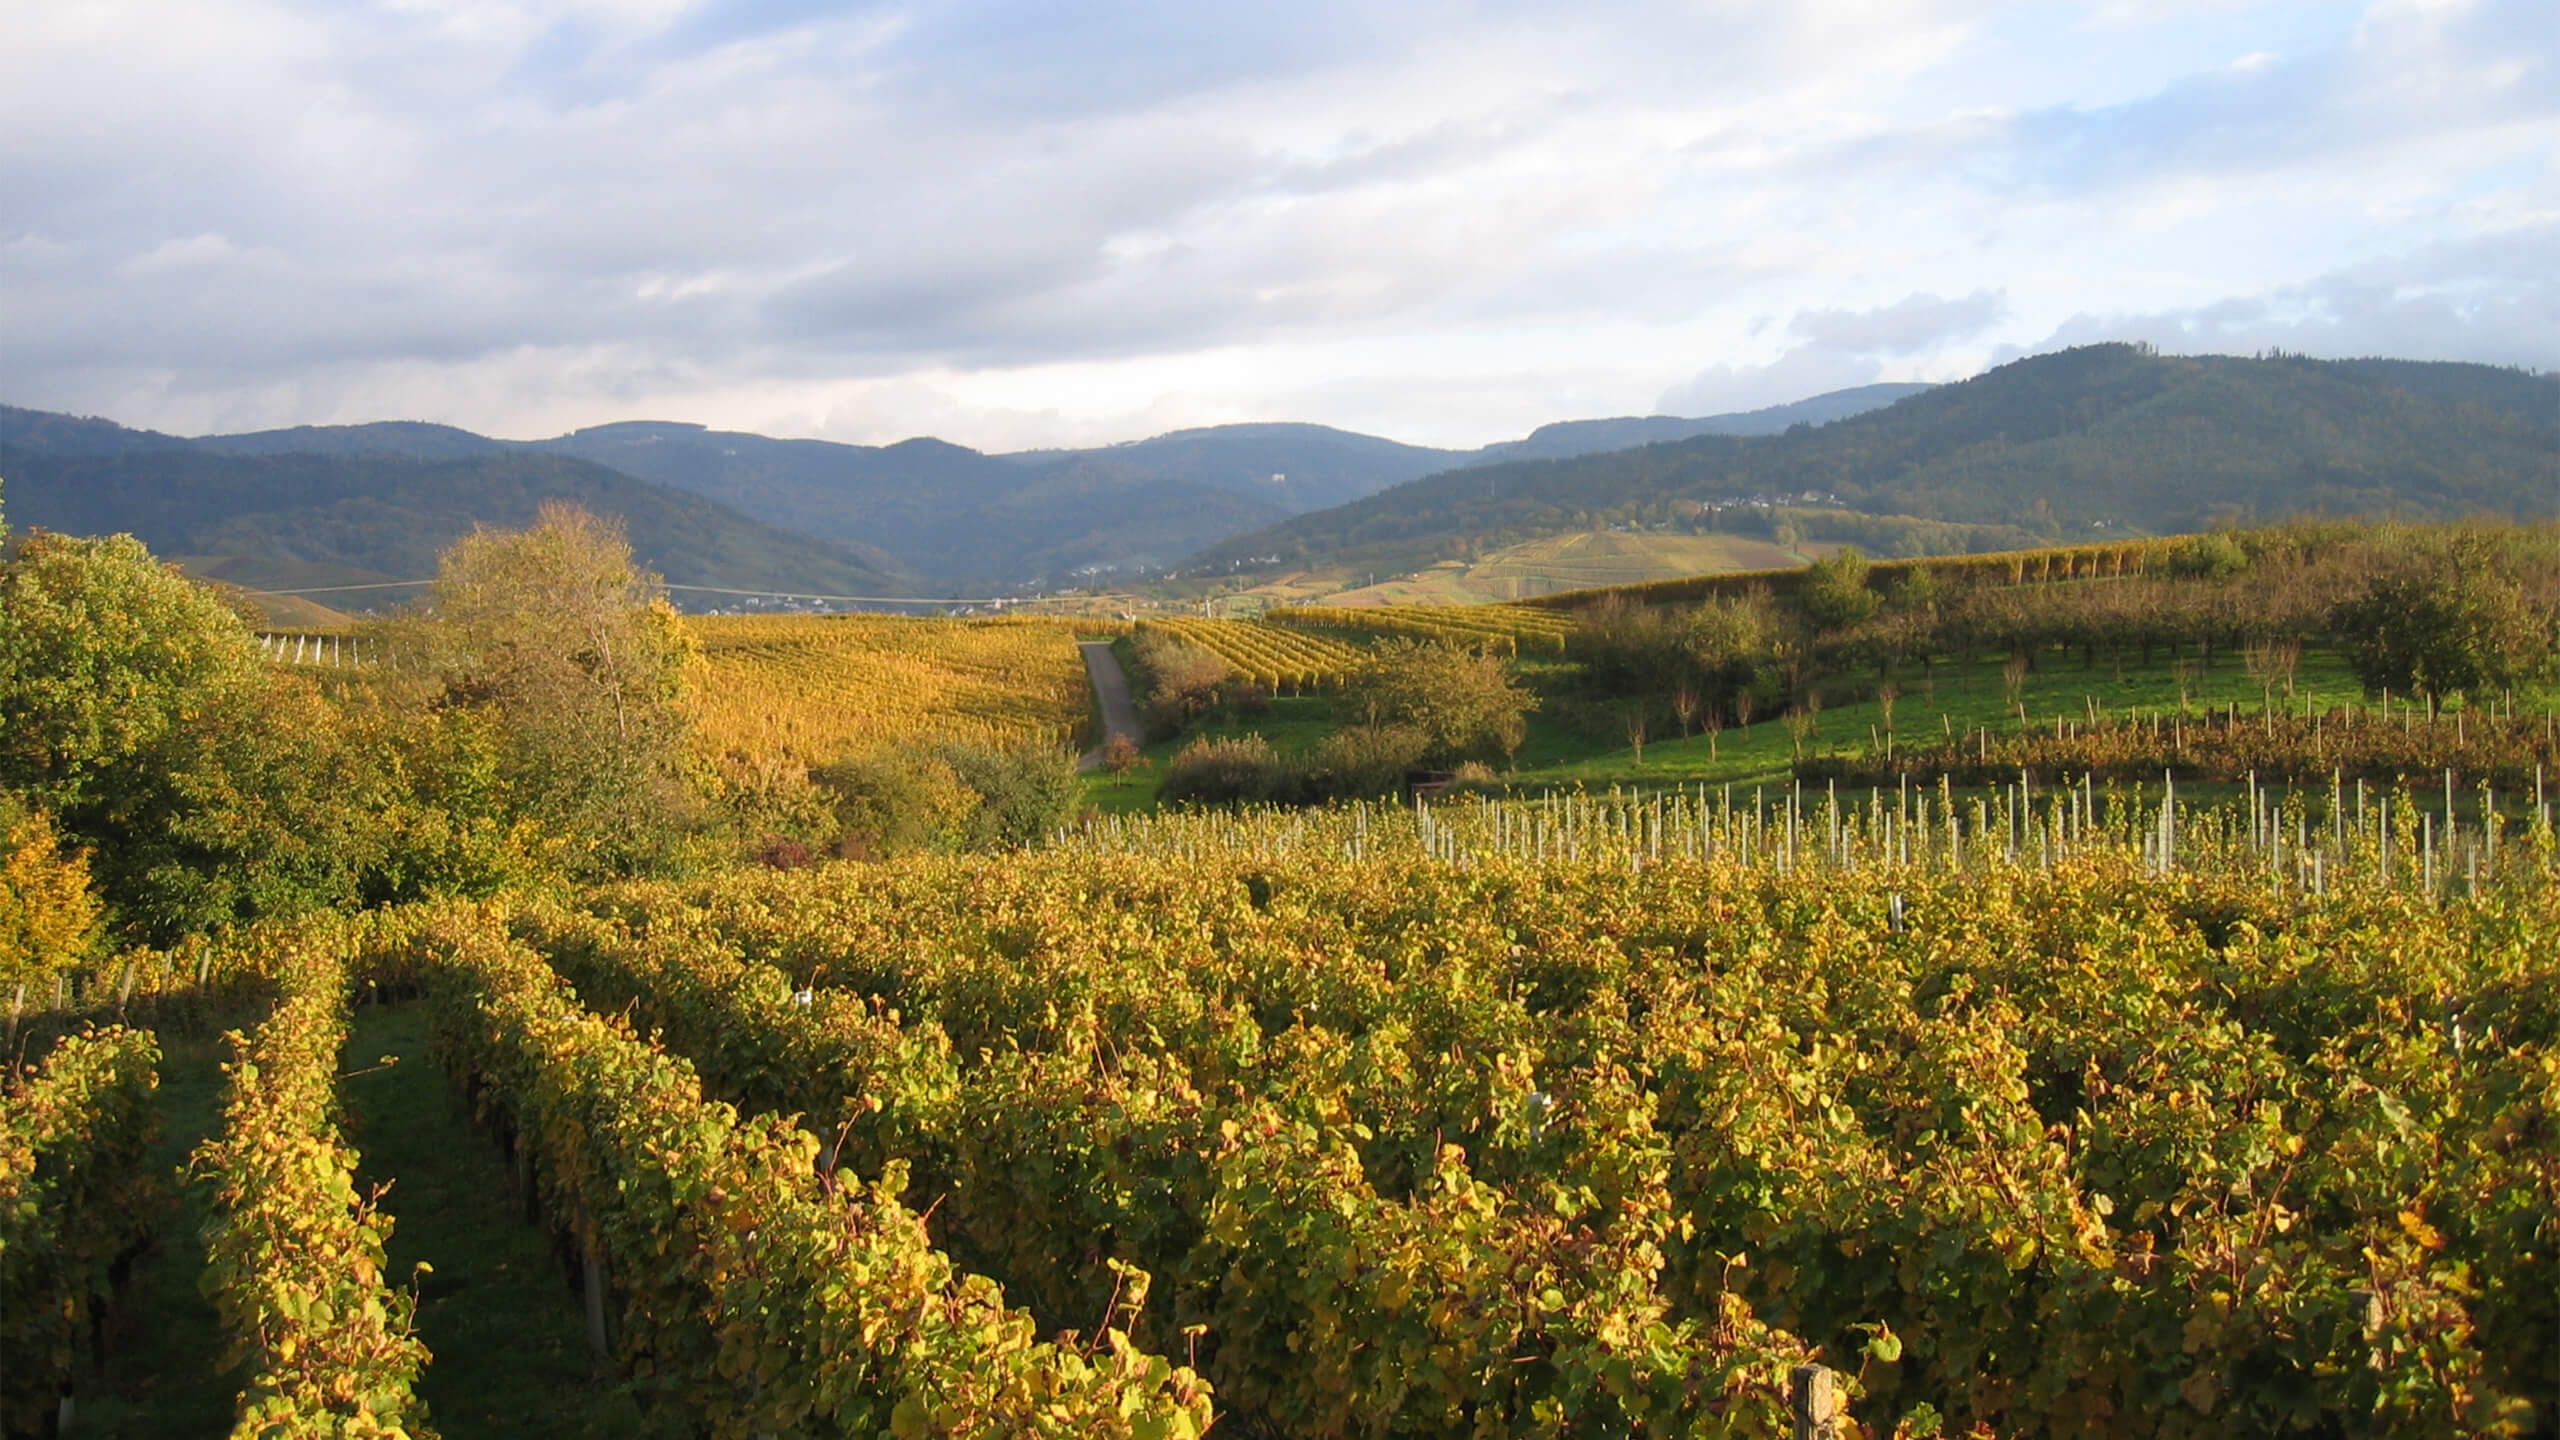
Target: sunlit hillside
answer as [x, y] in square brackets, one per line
[1547, 566]
[814, 688]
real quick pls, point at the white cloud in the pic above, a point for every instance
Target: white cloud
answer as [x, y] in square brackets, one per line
[1012, 223]
[2493, 301]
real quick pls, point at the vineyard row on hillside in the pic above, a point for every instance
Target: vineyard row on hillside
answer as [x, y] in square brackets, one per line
[2485, 747]
[2004, 567]
[73, 1208]
[1510, 629]
[1268, 655]
[768, 1298]
[295, 1253]
[2060, 1112]
[815, 689]
[2075, 1150]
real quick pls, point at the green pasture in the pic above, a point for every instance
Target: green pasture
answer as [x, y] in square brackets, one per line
[1583, 743]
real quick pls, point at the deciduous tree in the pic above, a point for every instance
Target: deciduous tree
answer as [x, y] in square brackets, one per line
[574, 651]
[1464, 703]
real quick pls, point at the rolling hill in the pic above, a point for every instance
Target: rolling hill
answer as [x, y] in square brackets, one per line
[963, 521]
[1568, 438]
[366, 512]
[2105, 439]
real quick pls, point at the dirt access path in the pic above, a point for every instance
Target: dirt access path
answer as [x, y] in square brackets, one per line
[1111, 691]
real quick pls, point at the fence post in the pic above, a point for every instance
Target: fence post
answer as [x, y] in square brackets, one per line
[1813, 1394]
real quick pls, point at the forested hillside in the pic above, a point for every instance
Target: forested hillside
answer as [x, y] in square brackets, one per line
[955, 516]
[385, 514]
[1568, 438]
[2107, 439]
[958, 520]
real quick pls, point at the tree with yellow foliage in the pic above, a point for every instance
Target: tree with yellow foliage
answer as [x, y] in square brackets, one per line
[49, 917]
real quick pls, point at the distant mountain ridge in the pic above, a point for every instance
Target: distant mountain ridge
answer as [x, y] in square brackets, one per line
[964, 521]
[1569, 438]
[368, 512]
[2096, 440]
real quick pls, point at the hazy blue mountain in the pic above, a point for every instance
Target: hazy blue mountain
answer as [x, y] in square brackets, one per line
[2107, 436]
[954, 515]
[2106, 439]
[415, 439]
[385, 512]
[962, 520]
[1292, 467]
[1568, 438]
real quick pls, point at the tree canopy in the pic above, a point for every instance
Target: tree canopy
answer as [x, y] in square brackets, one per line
[573, 652]
[1464, 703]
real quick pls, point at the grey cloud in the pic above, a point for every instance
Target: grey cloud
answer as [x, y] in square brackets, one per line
[1800, 372]
[1912, 324]
[2495, 301]
[1837, 349]
[792, 189]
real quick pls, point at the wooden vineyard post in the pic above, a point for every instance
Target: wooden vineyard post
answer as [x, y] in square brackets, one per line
[591, 1275]
[1813, 1396]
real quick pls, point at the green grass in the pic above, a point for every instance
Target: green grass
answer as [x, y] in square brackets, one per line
[162, 1376]
[505, 1327]
[1294, 725]
[1582, 743]
[1954, 697]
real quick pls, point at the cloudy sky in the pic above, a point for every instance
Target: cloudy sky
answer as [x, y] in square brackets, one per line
[1020, 222]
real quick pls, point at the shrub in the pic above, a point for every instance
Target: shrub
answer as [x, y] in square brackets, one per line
[2217, 556]
[1225, 772]
[893, 803]
[49, 920]
[1364, 761]
[1629, 649]
[1464, 704]
[1178, 682]
[1025, 792]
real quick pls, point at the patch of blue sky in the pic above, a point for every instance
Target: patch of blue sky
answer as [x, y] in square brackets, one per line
[2102, 55]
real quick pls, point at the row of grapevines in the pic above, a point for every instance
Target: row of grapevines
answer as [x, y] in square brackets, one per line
[1268, 654]
[2104, 1152]
[73, 1207]
[2004, 567]
[1509, 628]
[815, 688]
[2229, 747]
[294, 1251]
[1320, 1303]
[770, 1299]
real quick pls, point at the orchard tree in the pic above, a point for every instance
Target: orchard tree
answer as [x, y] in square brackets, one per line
[2462, 628]
[1464, 703]
[1836, 596]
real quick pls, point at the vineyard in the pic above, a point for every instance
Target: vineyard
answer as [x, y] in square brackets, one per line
[814, 688]
[1510, 629]
[1268, 655]
[2054, 1111]
[2113, 560]
[2486, 746]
